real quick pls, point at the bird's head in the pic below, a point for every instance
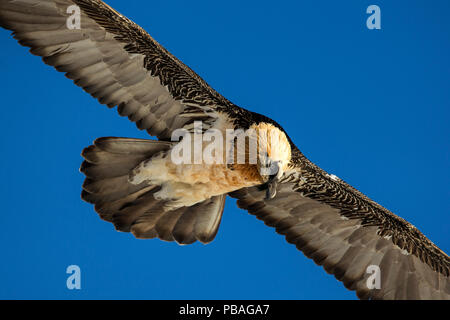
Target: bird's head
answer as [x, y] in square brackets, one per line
[274, 156]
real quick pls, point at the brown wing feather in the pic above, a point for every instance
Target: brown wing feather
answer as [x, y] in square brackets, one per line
[345, 232]
[115, 61]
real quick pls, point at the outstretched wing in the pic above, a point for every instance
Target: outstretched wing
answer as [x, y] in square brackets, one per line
[115, 61]
[351, 236]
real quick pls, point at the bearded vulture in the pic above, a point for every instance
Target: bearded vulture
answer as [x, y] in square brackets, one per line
[137, 186]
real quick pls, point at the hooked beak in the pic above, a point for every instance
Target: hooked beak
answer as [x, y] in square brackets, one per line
[271, 171]
[272, 181]
[272, 185]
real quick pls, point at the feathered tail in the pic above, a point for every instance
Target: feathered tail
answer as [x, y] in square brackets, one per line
[133, 208]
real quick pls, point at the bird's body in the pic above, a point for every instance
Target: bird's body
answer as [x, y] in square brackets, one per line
[151, 189]
[216, 164]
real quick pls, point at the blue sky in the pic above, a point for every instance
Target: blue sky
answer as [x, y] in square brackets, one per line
[370, 106]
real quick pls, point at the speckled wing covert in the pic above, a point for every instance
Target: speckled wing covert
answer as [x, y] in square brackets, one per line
[118, 63]
[347, 233]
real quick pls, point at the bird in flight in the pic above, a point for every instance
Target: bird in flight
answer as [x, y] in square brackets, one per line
[161, 189]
